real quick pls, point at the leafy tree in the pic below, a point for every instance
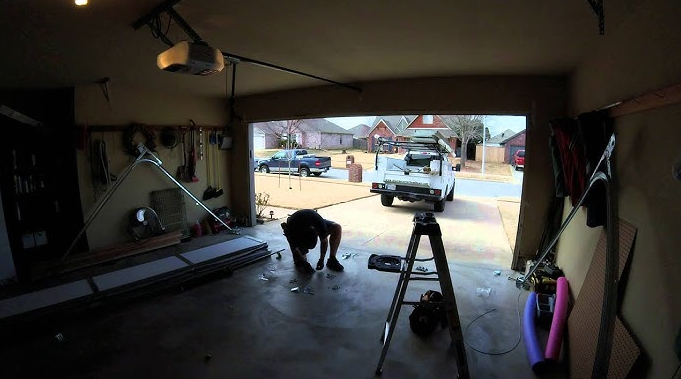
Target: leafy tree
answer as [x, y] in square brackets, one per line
[469, 128]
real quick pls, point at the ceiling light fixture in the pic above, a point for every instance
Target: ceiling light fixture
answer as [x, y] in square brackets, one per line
[81, 3]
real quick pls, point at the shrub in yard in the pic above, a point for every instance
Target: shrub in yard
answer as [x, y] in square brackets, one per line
[261, 201]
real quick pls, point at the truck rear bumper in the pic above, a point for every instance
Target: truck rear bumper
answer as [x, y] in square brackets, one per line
[407, 196]
[317, 169]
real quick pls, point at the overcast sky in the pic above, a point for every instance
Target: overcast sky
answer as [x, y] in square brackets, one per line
[496, 124]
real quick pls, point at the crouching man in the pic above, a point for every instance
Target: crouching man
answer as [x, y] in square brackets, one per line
[302, 230]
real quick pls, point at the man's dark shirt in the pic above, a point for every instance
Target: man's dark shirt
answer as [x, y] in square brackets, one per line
[298, 231]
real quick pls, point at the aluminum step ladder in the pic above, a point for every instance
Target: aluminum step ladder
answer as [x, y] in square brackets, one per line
[424, 224]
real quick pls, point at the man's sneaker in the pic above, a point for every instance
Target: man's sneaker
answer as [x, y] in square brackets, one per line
[320, 264]
[333, 264]
[304, 267]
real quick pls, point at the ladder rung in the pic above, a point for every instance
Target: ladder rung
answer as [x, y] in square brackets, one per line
[423, 259]
[431, 279]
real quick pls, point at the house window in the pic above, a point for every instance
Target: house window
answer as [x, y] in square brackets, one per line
[428, 119]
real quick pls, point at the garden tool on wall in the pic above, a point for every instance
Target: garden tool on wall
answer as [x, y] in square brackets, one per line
[218, 191]
[200, 143]
[209, 193]
[226, 140]
[183, 171]
[192, 154]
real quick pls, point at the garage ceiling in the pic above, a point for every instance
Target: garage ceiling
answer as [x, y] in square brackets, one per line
[48, 43]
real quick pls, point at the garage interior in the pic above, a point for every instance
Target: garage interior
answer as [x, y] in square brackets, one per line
[76, 75]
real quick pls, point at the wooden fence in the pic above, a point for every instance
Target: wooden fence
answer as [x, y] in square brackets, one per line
[493, 154]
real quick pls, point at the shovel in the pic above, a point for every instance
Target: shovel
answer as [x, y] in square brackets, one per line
[209, 193]
[192, 156]
[218, 191]
[183, 171]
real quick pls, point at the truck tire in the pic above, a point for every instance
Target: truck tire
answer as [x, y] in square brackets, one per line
[450, 195]
[264, 169]
[439, 206]
[304, 172]
[387, 200]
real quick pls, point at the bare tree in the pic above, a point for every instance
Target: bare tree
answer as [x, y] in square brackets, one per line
[286, 129]
[468, 127]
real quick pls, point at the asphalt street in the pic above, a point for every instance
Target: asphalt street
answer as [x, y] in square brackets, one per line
[464, 186]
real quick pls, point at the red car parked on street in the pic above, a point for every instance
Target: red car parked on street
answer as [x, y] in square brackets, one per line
[519, 159]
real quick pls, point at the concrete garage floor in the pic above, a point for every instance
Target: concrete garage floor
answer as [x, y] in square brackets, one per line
[244, 326]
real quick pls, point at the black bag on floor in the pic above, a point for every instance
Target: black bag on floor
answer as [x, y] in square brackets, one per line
[428, 313]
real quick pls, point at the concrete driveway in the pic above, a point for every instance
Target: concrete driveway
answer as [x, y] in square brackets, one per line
[475, 225]
[472, 229]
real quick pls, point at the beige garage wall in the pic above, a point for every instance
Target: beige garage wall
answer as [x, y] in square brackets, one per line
[129, 105]
[638, 54]
[540, 98]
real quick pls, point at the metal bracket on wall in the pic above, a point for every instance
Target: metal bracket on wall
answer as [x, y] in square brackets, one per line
[597, 7]
[167, 7]
[145, 156]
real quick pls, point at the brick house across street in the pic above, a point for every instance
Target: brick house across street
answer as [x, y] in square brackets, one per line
[315, 133]
[401, 128]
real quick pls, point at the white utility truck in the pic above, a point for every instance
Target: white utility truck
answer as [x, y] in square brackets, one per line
[424, 173]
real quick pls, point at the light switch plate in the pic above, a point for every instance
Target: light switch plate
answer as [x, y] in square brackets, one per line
[28, 241]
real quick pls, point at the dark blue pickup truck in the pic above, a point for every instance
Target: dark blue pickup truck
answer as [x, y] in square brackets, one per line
[295, 161]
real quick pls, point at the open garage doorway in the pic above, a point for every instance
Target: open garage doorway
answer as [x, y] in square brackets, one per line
[481, 220]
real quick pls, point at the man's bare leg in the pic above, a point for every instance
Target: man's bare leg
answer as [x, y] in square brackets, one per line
[334, 240]
[323, 246]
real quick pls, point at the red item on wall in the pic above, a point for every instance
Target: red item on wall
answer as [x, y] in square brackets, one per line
[571, 151]
[197, 230]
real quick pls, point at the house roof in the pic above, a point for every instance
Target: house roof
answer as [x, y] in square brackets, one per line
[445, 130]
[360, 130]
[399, 125]
[504, 136]
[308, 125]
[323, 126]
[269, 127]
[396, 124]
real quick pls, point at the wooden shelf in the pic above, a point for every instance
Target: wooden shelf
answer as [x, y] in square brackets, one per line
[665, 96]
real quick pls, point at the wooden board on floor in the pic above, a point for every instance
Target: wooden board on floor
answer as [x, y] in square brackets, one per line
[585, 319]
[108, 254]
